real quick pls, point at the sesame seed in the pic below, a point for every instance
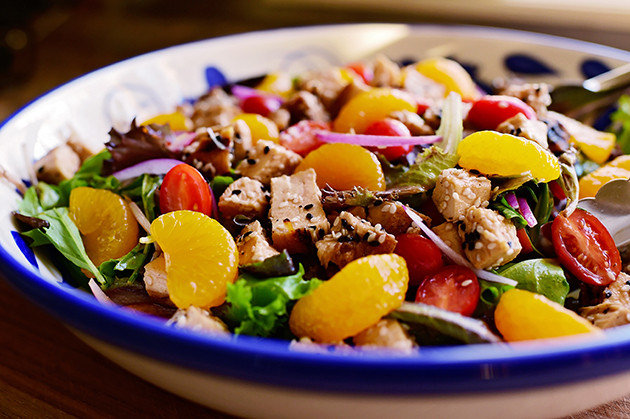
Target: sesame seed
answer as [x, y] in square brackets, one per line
[308, 206]
[283, 205]
[478, 245]
[455, 195]
[378, 202]
[266, 149]
[446, 198]
[381, 238]
[251, 161]
[236, 192]
[371, 236]
[491, 245]
[309, 216]
[467, 282]
[392, 208]
[378, 227]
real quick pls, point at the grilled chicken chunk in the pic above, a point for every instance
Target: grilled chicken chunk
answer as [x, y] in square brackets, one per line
[297, 216]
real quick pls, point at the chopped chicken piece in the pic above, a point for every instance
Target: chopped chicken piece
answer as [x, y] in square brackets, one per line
[413, 122]
[214, 108]
[209, 153]
[387, 333]
[81, 148]
[489, 239]
[297, 216]
[245, 196]
[240, 137]
[448, 233]
[351, 238]
[391, 216]
[457, 190]
[386, 73]
[323, 84]
[61, 163]
[520, 126]
[534, 94]
[305, 105]
[252, 245]
[198, 320]
[614, 310]
[268, 160]
[155, 278]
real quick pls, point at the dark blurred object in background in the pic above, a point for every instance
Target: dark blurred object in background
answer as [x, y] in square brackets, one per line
[22, 25]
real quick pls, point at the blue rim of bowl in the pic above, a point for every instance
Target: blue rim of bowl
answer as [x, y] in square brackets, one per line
[434, 370]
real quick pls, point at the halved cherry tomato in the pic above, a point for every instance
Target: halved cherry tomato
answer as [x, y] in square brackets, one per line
[262, 105]
[301, 137]
[184, 188]
[392, 128]
[585, 248]
[423, 257]
[454, 288]
[490, 111]
[362, 71]
[526, 243]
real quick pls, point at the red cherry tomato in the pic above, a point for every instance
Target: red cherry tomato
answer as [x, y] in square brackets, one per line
[454, 288]
[391, 128]
[423, 257]
[261, 105]
[362, 71]
[301, 137]
[490, 111]
[585, 248]
[184, 188]
[526, 243]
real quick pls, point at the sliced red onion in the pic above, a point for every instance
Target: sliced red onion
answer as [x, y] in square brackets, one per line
[243, 92]
[453, 255]
[100, 296]
[180, 141]
[511, 199]
[139, 215]
[151, 167]
[526, 212]
[375, 140]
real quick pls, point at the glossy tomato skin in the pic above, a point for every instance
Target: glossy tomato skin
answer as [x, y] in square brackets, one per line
[184, 188]
[423, 257]
[362, 71]
[392, 128]
[453, 288]
[262, 105]
[301, 137]
[585, 247]
[490, 111]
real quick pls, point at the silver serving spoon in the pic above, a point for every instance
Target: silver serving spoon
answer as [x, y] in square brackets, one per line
[579, 99]
[611, 206]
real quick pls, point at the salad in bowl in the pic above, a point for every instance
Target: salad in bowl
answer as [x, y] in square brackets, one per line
[375, 203]
[360, 217]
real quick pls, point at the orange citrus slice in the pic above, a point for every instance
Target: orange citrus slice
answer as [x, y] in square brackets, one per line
[201, 257]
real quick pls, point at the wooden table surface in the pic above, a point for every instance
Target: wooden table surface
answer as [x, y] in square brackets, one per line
[45, 371]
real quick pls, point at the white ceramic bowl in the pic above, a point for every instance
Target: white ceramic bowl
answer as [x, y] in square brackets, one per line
[263, 378]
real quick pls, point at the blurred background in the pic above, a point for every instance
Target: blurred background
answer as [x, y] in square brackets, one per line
[44, 43]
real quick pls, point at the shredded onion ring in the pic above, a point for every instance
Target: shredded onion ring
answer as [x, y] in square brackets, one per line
[453, 255]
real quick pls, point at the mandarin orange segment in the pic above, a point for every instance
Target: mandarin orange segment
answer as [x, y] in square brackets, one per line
[494, 153]
[524, 315]
[619, 168]
[370, 106]
[201, 257]
[344, 166]
[354, 299]
[176, 120]
[106, 222]
[260, 128]
[596, 145]
[451, 75]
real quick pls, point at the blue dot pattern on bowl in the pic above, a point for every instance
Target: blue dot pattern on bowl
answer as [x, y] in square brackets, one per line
[24, 248]
[592, 68]
[214, 77]
[527, 64]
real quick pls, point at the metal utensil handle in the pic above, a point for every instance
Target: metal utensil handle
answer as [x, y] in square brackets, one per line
[617, 77]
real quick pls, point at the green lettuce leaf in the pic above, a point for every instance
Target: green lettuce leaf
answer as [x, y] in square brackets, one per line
[64, 235]
[142, 191]
[424, 172]
[543, 276]
[126, 269]
[621, 123]
[260, 307]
